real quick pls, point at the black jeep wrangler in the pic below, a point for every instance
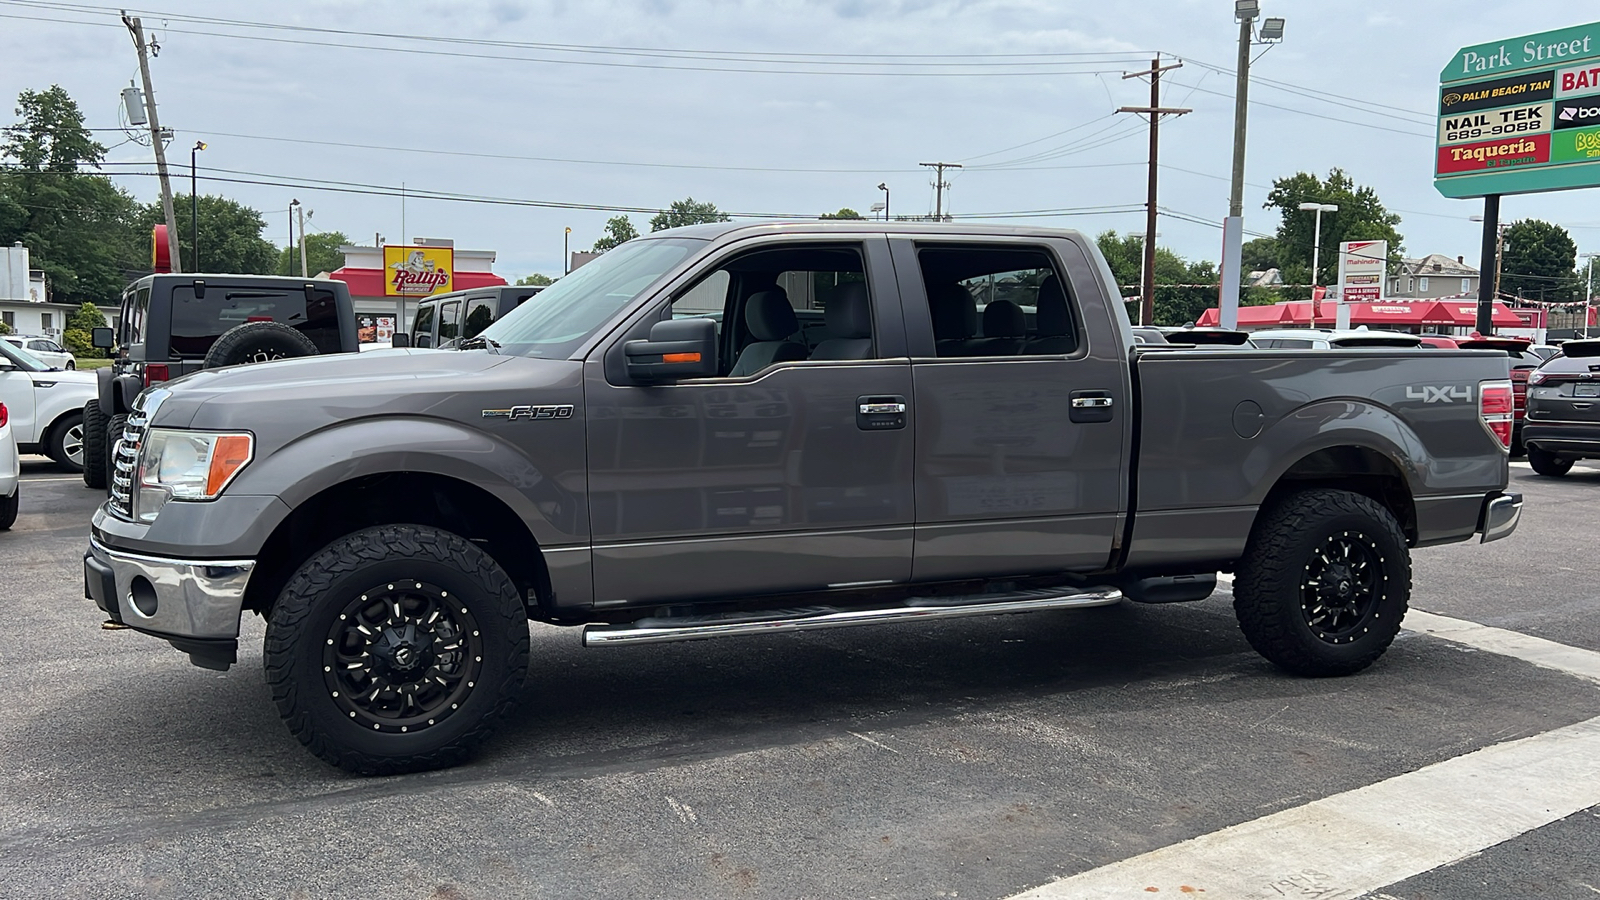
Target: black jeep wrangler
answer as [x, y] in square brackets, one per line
[171, 325]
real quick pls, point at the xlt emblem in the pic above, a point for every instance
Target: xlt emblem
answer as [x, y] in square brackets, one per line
[1429, 393]
[564, 411]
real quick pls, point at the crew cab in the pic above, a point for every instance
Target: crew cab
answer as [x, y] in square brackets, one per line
[445, 320]
[660, 449]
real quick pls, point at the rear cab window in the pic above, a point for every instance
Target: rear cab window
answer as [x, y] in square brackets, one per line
[197, 322]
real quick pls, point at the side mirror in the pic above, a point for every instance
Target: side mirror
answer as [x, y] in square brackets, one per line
[103, 339]
[679, 348]
[423, 341]
[400, 339]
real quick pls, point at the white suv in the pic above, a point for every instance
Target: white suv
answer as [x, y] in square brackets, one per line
[10, 472]
[44, 349]
[46, 405]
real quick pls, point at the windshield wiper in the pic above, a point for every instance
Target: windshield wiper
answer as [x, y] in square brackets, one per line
[479, 343]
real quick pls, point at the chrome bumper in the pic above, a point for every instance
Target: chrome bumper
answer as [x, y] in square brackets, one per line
[1500, 516]
[174, 598]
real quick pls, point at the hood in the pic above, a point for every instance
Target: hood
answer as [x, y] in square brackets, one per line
[298, 396]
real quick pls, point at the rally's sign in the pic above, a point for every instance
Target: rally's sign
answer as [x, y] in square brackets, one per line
[1515, 116]
[418, 271]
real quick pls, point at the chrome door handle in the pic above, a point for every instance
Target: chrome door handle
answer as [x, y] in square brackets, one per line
[1091, 402]
[882, 409]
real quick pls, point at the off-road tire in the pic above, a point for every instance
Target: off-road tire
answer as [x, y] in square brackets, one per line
[258, 342]
[1278, 592]
[55, 445]
[305, 621]
[94, 446]
[8, 509]
[115, 426]
[1546, 463]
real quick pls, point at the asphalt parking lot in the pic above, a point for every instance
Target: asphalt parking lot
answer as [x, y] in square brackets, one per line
[978, 758]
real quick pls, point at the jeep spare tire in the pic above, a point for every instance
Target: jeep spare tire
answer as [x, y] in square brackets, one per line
[258, 342]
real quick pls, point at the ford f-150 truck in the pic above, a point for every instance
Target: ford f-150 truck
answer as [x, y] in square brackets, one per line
[748, 429]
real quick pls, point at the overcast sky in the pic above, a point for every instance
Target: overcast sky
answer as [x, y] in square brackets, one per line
[787, 133]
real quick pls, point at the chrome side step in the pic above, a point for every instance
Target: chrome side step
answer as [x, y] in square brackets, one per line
[689, 628]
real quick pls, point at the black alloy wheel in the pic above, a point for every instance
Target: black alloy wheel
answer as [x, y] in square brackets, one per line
[1343, 582]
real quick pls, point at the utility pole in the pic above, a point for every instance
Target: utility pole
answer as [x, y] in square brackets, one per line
[136, 28]
[939, 184]
[1147, 286]
[300, 211]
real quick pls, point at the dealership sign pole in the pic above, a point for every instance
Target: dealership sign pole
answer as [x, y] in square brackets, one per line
[1362, 268]
[1516, 117]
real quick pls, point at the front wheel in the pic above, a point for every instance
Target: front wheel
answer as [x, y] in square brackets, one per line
[94, 446]
[71, 366]
[1546, 463]
[65, 446]
[1324, 582]
[396, 649]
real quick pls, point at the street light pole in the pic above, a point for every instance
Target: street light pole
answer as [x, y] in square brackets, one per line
[293, 205]
[566, 255]
[194, 207]
[1588, 293]
[1316, 257]
[884, 186]
[1245, 11]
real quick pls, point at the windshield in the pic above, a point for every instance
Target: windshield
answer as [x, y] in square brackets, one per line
[570, 310]
[22, 359]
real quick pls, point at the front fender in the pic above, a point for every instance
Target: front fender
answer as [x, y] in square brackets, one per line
[548, 495]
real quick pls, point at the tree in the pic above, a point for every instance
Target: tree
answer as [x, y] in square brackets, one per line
[4, 328]
[1537, 261]
[1259, 255]
[619, 229]
[843, 213]
[76, 224]
[230, 235]
[1361, 217]
[322, 253]
[687, 212]
[537, 279]
[1183, 289]
[78, 336]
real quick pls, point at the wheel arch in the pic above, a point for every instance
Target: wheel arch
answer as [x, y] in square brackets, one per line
[1358, 468]
[394, 498]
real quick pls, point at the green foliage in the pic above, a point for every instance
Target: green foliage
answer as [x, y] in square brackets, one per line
[4, 328]
[74, 223]
[1183, 290]
[538, 279]
[843, 213]
[230, 235]
[322, 253]
[687, 212]
[619, 229]
[1259, 255]
[1361, 217]
[1537, 260]
[79, 333]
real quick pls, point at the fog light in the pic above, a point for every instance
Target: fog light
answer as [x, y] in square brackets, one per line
[142, 594]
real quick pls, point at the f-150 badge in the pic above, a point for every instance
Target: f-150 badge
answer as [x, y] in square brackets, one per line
[564, 411]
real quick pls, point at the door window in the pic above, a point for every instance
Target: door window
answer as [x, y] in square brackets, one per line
[449, 321]
[422, 328]
[987, 301]
[480, 315]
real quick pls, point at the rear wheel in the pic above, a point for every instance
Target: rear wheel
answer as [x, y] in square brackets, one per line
[66, 442]
[1324, 582]
[396, 649]
[8, 509]
[94, 446]
[1546, 463]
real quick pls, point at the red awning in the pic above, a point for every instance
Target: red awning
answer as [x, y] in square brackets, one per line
[1465, 312]
[1392, 313]
[369, 282]
[1381, 315]
[1255, 316]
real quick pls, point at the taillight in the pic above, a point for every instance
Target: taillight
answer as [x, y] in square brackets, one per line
[1495, 405]
[1537, 377]
[154, 372]
[4, 416]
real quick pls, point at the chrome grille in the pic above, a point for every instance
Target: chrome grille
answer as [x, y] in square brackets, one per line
[125, 453]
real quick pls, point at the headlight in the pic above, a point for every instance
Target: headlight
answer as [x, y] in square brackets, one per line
[186, 465]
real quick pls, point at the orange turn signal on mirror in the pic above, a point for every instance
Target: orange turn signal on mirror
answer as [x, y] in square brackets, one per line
[229, 455]
[680, 357]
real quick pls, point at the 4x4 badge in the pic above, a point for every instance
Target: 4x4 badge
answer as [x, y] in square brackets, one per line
[564, 411]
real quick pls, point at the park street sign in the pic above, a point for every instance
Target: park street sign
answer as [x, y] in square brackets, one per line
[1521, 115]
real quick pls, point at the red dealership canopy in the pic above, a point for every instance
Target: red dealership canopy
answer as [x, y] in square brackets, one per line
[1393, 313]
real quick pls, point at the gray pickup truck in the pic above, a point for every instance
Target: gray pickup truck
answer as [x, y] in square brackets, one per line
[747, 429]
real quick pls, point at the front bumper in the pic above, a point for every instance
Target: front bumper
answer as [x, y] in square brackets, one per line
[194, 604]
[1501, 513]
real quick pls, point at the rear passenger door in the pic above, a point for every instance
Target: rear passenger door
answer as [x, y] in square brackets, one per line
[1022, 408]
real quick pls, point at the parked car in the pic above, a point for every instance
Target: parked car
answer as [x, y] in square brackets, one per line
[611, 458]
[1437, 342]
[10, 472]
[172, 325]
[1223, 338]
[46, 405]
[445, 320]
[1328, 339]
[44, 349]
[1148, 334]
[1563, 423]
[1544, 351]
[1523, 362]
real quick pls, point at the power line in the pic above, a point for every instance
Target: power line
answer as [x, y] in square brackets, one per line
[1315, 115]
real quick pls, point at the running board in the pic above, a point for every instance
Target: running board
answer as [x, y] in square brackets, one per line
[662, 629]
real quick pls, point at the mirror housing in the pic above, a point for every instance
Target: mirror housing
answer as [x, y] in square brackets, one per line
[400, 339]
[677, 348]
[103, 339]
[423, 342]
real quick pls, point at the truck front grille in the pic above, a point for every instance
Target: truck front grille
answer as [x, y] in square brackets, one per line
[125, 460]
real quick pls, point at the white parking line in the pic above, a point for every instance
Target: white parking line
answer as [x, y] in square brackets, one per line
[1371, 837]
